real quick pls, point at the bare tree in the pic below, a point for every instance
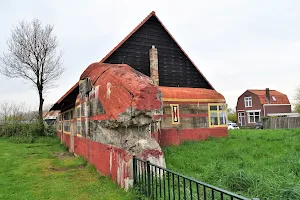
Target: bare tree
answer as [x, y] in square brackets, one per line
[32, 55]
[297, 100]
[5, 110]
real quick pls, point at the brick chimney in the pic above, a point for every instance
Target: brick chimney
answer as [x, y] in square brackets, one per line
[154, 65]
[268, 95]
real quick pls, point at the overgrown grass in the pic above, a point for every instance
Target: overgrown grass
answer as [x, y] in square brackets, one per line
[44, 170]
[254, 163]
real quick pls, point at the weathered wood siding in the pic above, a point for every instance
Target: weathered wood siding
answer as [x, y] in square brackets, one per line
[175, 68]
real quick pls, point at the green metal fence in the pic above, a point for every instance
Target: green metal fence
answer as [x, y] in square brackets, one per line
[160, 183]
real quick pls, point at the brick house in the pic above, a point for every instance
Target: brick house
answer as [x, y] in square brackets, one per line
[253, 105]
[144, 94]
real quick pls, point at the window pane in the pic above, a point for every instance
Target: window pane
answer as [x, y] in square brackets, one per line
[78, 127]
[213, 107]
[214, 118]
[83, 133]
[256, 113]
[67, 126]
[251, 119]
[222, 107]
[222, 118]
[78, 112]
[250, 113]
[83, 109]
[256, 118]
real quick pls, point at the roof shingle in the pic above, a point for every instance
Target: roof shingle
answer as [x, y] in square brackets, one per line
[279, 97]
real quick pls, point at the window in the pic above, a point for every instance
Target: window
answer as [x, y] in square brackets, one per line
[83, 109]
[66, 116]
[253, 117]
[274, 98]
[83, 129]
[217, 115]
[175, 113]
[248, 101]
[66, 126]
[79, 127]
[241, 116]
[78, 111]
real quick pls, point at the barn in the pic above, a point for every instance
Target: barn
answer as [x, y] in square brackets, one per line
[146, 93]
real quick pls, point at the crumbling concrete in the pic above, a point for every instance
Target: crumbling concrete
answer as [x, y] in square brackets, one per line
[123, 103]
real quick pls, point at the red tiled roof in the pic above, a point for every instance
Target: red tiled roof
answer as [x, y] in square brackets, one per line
[191, 94]
[53, 113]
[136, 28]
[280, 97]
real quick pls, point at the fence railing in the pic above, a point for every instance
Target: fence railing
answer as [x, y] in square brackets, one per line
[281, 122]
[160, 183]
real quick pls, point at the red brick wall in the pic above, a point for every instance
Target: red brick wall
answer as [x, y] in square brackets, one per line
[256, 105]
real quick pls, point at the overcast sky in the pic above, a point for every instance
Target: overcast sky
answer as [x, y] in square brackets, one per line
[236, 44]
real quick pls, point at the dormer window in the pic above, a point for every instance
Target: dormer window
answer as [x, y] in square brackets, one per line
[248, 102]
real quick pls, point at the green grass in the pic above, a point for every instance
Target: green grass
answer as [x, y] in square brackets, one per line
[44, 170]
[253, 163]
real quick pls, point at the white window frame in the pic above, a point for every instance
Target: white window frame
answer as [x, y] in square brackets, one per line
[241, 116]
[248, 102]
[253, 111]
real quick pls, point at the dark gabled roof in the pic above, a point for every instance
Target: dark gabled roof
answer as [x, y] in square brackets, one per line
[68, 99]
[186, 74]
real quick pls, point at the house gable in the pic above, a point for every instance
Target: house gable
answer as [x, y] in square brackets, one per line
[256, 105]
[175, 67]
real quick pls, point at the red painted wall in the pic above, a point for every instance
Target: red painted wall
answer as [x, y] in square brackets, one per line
[108, 160]
[278, 109]
[174, 136]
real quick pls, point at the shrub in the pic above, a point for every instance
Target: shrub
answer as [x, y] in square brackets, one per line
[26, 133]
[50, 131]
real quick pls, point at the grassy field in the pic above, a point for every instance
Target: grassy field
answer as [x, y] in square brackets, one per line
[254, 163]
[44, 170]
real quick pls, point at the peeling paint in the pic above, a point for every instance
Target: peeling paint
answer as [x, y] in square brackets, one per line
[108, 90]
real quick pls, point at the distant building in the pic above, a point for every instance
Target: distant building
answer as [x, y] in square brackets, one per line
[252, 105]
[51, 116]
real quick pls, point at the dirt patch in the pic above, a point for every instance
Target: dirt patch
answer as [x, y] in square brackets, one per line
[63, 155]
[43, 145]
[55, 169]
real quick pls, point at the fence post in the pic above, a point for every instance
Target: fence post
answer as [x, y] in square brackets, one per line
[134, 170]
[148, 178]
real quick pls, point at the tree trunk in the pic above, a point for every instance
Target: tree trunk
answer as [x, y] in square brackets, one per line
[41, 106]
[41, 121]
